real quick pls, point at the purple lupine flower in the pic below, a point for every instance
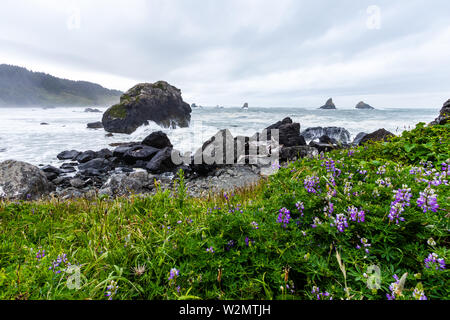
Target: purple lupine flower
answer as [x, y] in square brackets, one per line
[428, 200]
[433, 260]
[394, 287]
[210, 250]
[230, 245]
[111, 289]
[365, 244]
[341, 222]
[300, 207]
[40, 254]
[255, 225]
[356, 215]
[311, 184]
[284, 217]
[61, 259]
[174, 273]
[320, 295]
[419, 294]
[401, 199]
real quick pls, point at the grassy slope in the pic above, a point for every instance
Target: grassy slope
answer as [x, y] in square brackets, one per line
[108, 239]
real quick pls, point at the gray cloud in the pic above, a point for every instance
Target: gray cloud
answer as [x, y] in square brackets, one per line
[269, 53]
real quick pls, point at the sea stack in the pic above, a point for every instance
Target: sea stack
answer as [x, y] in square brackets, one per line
[444, 116]
[329, 105]
[364, 106]
[159, 102]
[245, 106]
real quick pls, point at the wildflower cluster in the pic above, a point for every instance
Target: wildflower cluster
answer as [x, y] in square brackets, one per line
[284, 217]
[356, 215]
[321, 295]
[428, 200]
[401, 200]
[365, 244]
[395, 288]
[111, 289]
[40, 254]
[311, 184]
[433, 261]
[341, 222]
[60, 264]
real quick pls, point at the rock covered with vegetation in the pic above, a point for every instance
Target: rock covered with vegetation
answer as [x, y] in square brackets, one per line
[159, 102]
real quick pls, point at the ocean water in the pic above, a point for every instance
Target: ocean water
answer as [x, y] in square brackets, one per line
[22, 137]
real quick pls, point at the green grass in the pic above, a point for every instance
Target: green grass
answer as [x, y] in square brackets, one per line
[254, 257]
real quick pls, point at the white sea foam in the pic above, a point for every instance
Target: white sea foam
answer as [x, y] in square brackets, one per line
[23, 138]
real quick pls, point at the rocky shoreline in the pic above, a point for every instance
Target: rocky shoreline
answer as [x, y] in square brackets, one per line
[221, 164]
[138, 167]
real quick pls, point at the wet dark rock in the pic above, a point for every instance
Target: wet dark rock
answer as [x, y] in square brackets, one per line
[289, 133]
[95, 125]
[140, 152]
[86, 156]
[102, 165]
[358, 138]
[104, 153]
[44, 124]
[157, 140]
[159, 102]
[68, 155]
[161, 162]
[379, 135]
[444, 116]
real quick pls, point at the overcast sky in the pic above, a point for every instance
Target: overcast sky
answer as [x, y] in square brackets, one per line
[227, 52]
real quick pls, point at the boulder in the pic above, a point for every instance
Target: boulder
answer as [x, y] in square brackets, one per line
[95, 125]
[23, 181]
[68, 155]
[329, 105]
[379, 135]
[289, 133]
[157, 140]
[358, 138]
[444, 116]
[102, 165]
[124, 185]
[104, 153]
[51, 172]
[139, 153]
[364, 106]
[341, 135]
[159, 102]
[86, 156]
[161, 162]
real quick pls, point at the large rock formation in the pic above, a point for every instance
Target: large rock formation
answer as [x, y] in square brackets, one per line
[444, 116]
[289, 133]
[329, 105]
[159, 102]
[22, 181]
[364, 106]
